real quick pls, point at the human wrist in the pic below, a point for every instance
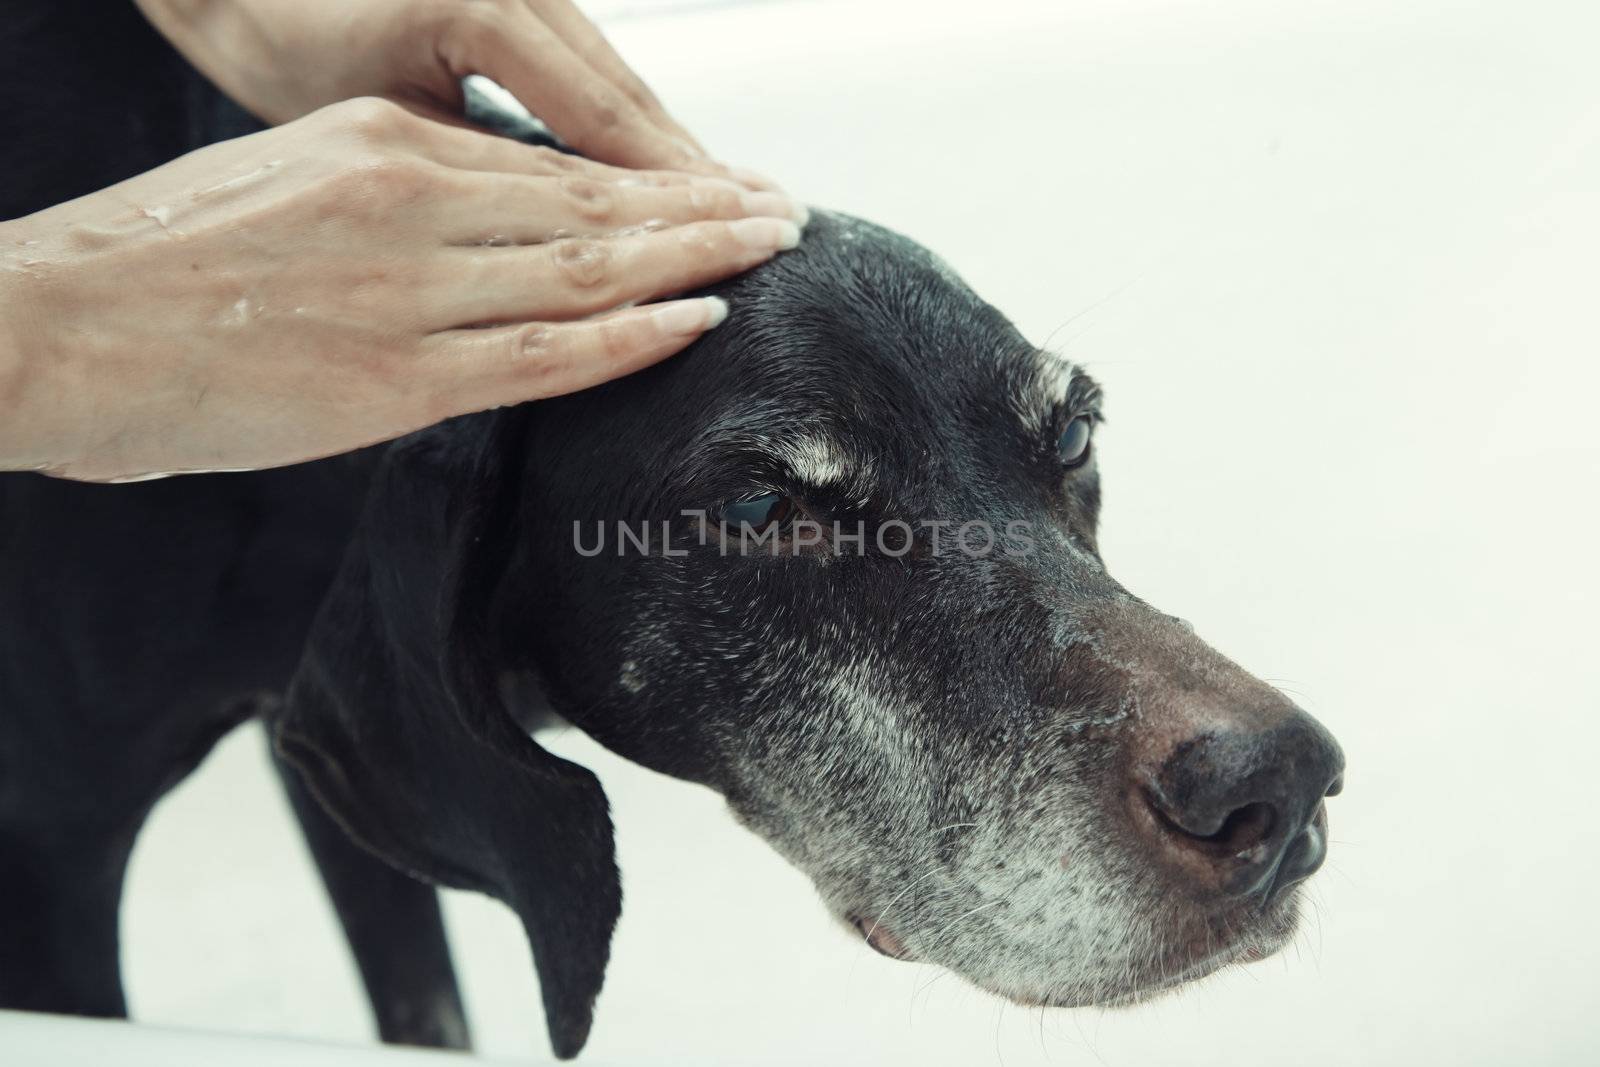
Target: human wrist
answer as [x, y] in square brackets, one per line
[240, 46]
[23, 444]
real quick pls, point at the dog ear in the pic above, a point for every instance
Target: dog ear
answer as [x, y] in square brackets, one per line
[395, 721]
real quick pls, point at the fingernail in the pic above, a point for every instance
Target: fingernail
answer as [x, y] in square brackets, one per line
[716, 311]
[691, 316]
[768, 235]
[777, 205]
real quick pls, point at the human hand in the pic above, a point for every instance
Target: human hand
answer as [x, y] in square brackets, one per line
[341, 280]
[284, 58]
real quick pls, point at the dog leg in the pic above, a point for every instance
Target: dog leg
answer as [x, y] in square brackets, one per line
[395, 930]
[75, 787]
[59, 890]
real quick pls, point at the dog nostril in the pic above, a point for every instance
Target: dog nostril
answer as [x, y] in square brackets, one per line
[1241, 812]
[1245, 828]
[1304, 856]
[1241, 830]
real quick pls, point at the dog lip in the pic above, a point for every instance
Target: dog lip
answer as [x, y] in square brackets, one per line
[1186, 972]
[880, 937]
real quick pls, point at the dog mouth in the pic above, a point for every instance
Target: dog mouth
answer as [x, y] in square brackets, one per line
[1217, 945]
[1176, 970]
[880, 938]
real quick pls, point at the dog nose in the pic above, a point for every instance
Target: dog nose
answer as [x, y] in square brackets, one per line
[1242, 811]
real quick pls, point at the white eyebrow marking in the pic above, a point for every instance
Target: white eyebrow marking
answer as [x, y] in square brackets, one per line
[1034, 396]
[815, 460]
[824, 463]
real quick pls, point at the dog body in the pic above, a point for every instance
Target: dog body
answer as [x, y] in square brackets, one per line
[137, 628]
[851, 582]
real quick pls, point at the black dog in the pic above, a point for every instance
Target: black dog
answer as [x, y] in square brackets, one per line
[856, 589]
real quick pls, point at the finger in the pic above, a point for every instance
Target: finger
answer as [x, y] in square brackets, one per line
[585, 39]
[581, 106]
[532, 360]
[513, 47]
[463, 147]
[579, 276]
[501, 209]
[590, 45]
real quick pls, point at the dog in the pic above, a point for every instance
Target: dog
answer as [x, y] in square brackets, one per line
[836, 561]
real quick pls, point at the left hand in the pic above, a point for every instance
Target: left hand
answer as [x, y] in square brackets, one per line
[282, 59]
[340, 280]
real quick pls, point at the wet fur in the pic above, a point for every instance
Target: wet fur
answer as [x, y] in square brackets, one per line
[939, 740]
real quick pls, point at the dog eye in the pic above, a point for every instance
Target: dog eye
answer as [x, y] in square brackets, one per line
[1073, 444]
[759, 513]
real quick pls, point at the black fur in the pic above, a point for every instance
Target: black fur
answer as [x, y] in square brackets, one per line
[402, 615]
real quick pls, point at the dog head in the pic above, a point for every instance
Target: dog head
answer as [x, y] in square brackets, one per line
[837, 561]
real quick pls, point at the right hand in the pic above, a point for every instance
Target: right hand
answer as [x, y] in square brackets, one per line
[282, 59]
[343, 279]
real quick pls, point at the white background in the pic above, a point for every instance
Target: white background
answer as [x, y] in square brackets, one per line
[1336, 264]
